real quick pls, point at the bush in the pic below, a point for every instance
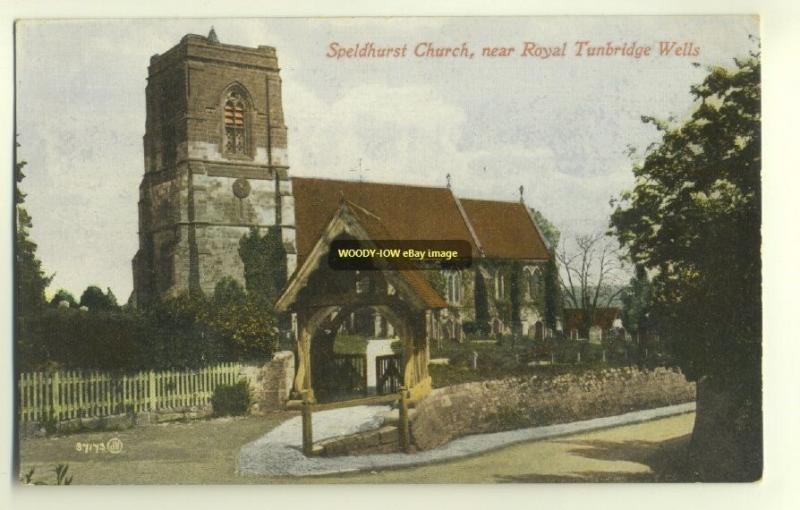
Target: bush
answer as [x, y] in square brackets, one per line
[231, 399]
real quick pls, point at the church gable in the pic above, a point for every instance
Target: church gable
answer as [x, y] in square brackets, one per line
[505, 230]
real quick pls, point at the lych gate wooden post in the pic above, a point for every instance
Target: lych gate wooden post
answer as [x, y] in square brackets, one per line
[404, 429]
[308, 436]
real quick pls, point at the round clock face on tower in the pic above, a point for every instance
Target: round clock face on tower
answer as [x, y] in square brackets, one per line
[241, 188]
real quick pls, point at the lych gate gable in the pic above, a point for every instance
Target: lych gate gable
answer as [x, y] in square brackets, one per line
[320, 296]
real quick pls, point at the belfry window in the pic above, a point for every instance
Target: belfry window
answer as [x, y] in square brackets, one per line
[235, 125]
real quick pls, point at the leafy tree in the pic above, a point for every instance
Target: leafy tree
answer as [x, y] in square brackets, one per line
[637, 311]
[30, 279]
[693, 218]
[247, 322]
[111, 298]
[95, 300]
[549, 231]
[552, 294]
[229, 291]
[250, 327]
[63, 295]
[264, 259]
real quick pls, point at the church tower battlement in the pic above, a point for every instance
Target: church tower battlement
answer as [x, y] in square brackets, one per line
[215, 165]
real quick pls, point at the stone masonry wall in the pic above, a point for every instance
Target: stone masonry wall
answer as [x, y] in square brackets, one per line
[271, 382]
[492, 406]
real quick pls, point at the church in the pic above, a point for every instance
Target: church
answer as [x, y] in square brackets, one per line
[215, 159]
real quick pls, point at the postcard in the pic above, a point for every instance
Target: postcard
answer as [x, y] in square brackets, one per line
[388, 250]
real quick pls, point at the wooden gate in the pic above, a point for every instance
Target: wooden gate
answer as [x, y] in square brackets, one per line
[387, 374]
[350, 376]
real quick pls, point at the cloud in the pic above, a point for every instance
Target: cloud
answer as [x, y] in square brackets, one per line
[401, 134]
[413, 135]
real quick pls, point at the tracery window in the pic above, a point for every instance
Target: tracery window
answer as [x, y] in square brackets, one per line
[235, 125]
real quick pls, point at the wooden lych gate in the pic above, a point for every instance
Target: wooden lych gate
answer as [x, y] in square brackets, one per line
[321, 298]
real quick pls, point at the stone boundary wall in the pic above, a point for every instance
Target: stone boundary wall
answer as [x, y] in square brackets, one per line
[271, 382]
[493, 406]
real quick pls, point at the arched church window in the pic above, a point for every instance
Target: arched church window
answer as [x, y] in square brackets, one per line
[453, 287]
[535, 284]
[235, 123]
[499, 285]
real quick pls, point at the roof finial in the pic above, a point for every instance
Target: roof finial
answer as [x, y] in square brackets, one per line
[521, 194]
[212, 35]
[448, 181]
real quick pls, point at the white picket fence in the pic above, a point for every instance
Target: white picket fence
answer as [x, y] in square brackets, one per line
[65, 395]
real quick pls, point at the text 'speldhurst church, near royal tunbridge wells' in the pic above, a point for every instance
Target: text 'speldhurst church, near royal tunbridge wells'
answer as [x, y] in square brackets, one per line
[215, 157]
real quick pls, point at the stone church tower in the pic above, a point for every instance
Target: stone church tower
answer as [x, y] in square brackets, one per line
[215, 165]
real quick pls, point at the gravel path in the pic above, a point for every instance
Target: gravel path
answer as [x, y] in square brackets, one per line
[279, 452]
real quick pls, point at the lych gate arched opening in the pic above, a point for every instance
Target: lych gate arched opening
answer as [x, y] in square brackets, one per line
[344, 374]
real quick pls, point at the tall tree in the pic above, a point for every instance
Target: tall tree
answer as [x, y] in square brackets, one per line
[552, 289]
[30, 278]
[264, 259]
[481, 303]
[694, 218]
[95, 300]
[637, 300]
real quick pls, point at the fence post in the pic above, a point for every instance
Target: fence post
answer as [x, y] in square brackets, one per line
[56, 396]
[308, 438]
[404, 439]
[152, 391]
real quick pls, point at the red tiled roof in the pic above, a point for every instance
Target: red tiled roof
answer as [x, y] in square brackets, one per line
[505, 230]
[415, 279]
[407, 212]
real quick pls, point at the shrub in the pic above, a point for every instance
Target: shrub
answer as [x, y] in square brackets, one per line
[231, 399]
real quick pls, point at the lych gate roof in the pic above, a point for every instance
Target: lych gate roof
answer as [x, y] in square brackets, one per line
[355, 221]
[503, 230]
[415, 279]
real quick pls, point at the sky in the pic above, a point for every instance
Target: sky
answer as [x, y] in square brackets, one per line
[561, 126]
